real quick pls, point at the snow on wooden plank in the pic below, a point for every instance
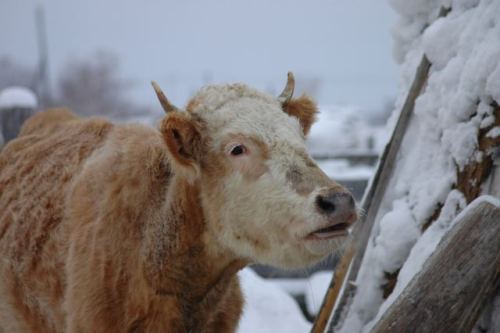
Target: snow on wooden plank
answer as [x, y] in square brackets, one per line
[448, 294]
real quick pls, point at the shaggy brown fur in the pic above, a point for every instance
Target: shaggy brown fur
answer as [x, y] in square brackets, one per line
[125, 228]
[98, 235]
[47, 122]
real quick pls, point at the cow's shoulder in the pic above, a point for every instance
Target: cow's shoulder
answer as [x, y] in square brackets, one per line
[129, 151]
[47, 121]
[126, 174]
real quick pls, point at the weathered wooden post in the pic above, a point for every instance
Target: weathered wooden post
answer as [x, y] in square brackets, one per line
[450, 291]
[336, 297]
[16, 105]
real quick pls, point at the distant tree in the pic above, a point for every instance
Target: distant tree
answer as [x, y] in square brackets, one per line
[15, 74]
[93, 86]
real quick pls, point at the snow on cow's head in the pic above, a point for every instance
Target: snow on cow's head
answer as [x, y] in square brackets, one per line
[263, 196]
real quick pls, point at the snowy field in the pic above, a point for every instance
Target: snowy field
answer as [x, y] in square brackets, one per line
[270, 307]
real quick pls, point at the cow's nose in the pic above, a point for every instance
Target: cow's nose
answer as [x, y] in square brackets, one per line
[335, 203]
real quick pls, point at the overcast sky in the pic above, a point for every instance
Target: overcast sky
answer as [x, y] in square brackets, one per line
[345, 44]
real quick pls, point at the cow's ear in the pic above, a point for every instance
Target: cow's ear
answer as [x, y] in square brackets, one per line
[304, 109]
[182, 137]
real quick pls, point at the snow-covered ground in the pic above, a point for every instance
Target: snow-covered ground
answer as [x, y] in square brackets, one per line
[268, 308]
[316, 289]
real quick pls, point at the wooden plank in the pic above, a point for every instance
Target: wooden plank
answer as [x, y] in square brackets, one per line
[333, 291]
[370, 205]
[448, 294]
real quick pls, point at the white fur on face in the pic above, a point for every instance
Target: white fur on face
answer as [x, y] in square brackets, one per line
[261, 218]
[267, 221]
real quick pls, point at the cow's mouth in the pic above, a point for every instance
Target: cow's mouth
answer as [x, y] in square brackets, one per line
[335, 230]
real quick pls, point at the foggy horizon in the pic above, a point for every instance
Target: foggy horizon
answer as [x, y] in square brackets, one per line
[344, 48]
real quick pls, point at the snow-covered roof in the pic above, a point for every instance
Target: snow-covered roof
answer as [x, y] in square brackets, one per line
[20, 97]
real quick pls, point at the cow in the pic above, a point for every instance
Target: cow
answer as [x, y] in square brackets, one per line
[128, 228]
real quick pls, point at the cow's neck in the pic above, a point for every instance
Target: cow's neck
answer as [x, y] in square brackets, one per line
[182, 262]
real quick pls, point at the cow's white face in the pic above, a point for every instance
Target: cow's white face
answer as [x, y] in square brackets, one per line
[264, 198]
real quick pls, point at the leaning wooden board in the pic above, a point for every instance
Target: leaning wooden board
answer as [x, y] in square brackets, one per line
[342, 289]
[350, 263]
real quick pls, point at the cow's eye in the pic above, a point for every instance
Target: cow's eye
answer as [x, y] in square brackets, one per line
[238, 150]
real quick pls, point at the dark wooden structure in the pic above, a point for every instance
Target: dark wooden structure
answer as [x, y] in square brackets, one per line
[11, 121]
[460, 276]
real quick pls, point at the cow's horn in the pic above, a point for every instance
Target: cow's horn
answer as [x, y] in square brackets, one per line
[166, 105]
[287, 93]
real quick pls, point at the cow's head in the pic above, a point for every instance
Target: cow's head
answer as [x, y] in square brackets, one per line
[263, 196]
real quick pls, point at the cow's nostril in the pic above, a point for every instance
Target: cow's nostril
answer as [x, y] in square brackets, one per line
[335, 203]
[325, 203]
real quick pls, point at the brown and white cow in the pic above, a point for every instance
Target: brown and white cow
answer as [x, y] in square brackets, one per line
[125, 228]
